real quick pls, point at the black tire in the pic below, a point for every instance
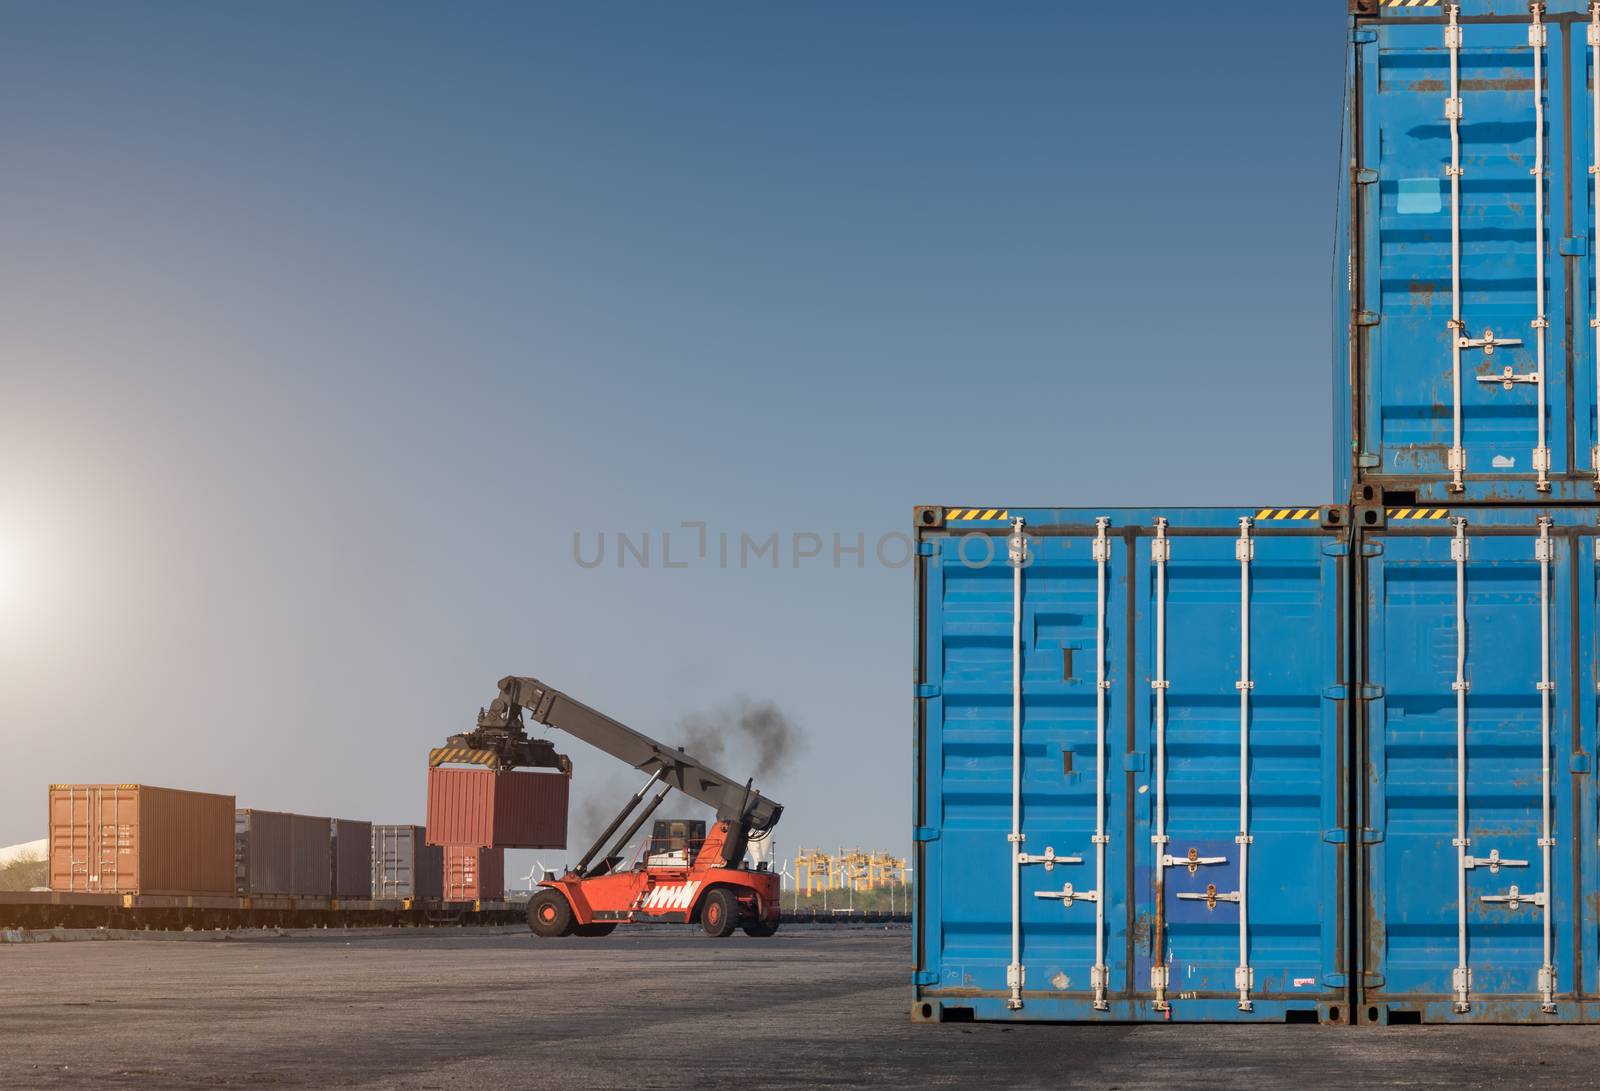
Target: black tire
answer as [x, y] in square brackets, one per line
[761, 929]
[604, 928]
[549, 914]
[719, 913]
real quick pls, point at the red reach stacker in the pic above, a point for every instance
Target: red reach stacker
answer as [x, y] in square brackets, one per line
[684, 876]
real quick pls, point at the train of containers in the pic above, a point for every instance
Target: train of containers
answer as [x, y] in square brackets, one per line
[1316, 763]
[140, 839]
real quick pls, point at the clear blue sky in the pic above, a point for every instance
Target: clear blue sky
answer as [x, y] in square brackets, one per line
[323, 328]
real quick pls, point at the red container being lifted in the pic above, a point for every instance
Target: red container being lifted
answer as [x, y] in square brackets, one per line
[485, 809]
[472, 874]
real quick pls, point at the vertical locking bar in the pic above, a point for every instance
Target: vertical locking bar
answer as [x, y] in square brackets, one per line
[1098, 975]
[1017, 548]
[1160, 553]
[1537, 39]
[1462, 978]
[1594, 173]
[1545, 553]
[1245, 551]
[1452, 113]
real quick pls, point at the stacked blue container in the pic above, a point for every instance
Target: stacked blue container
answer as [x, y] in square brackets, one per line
[1465, 400]
[1315, 763]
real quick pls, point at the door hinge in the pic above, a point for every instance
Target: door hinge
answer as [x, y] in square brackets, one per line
[925, 548]
[1372, 980]
[1363, 37]
[925, 833]
[928, 689]
[1365, 176]
[1367, 318]
[1335, 981]
[925, 977]
[1336, 549]
[1336, 693]
[1337, 836]
[1368, 461]
[1370, 836]
[1371, 549]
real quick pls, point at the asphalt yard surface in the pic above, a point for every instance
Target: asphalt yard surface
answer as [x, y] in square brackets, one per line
[810, 1007]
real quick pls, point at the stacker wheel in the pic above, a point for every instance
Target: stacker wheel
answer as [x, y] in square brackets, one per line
[604, 928]
[549, 914]
[719, 916]
[760, 929]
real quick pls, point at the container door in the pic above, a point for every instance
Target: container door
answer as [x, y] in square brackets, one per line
[1461, 246]
[1242, 807]
[1474, 865]
[94, 833]
[1071, 904]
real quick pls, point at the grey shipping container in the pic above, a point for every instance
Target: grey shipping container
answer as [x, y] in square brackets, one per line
[279, 853]
[404, 865]
[352, 858]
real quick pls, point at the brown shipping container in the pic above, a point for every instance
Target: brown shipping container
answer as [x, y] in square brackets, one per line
[279, 853]
[352, 858]
[136, 839]
[472, 874]
[511, 810]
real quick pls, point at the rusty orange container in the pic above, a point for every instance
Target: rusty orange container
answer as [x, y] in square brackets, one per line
[473, 874]
[486, 809]
[136, 839]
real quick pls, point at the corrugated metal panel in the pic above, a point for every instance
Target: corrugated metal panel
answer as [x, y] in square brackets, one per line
[1396, 393]
[352, 859]
[517, 809]
[137, 839]
[280, 853]
[474, 874]
[312, 861]
[1292, 891]
[263, 852]
[1524, 620]
[404, 865]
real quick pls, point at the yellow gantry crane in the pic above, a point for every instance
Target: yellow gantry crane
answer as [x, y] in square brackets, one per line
[848, 870]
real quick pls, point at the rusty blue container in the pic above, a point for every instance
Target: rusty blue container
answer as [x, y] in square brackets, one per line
[1476, 893]
[1131, 777]
[1464, 359]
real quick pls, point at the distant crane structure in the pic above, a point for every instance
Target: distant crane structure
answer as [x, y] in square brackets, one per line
[848, 870]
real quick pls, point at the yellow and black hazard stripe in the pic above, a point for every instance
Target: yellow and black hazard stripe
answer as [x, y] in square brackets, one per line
[459, 755]
[1416, 513]
[1410, 3]
[1288, 513]
[968, 515]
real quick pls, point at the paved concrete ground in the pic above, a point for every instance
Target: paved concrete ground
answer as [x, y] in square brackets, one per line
[809, 1008]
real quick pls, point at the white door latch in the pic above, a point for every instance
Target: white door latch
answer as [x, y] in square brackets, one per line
[1508, 377]
[1514, 898]
[1048, 858]
[1488, 342]
[1494, 862]
[1066, 895]
[1211, 896]
[1192, 860]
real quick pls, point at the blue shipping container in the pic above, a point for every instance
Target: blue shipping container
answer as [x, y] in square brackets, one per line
[1086, 847]
[1477, 893]
[1464, 362]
